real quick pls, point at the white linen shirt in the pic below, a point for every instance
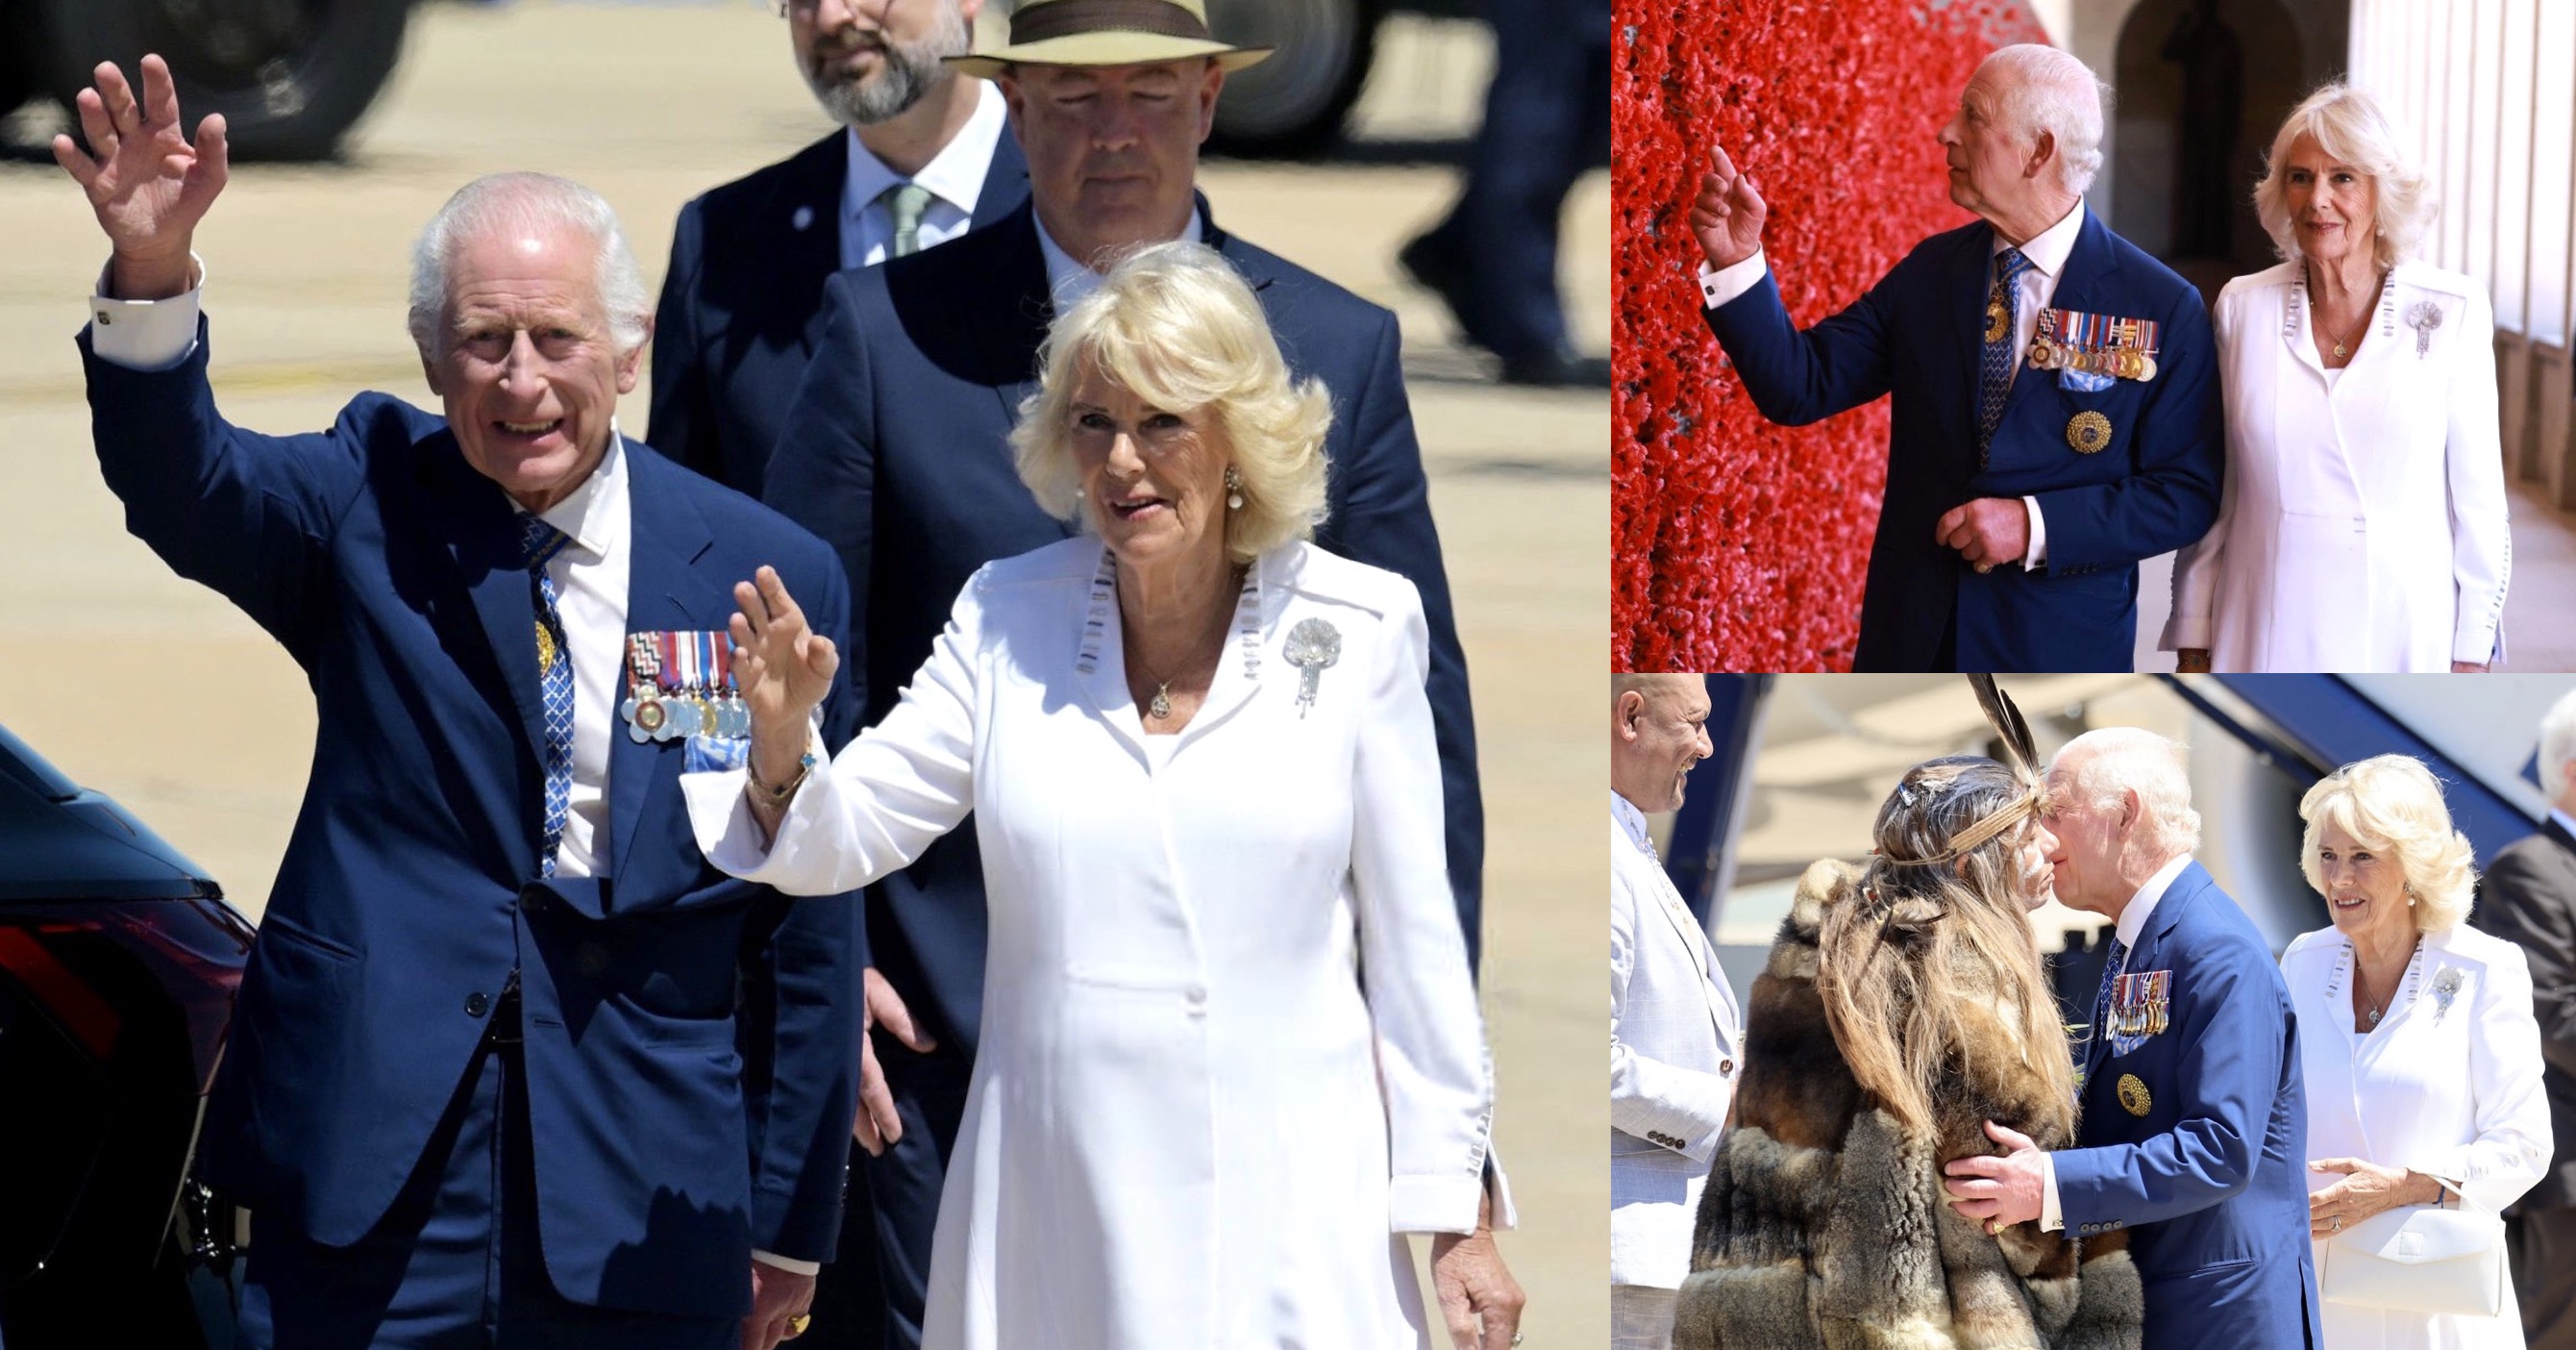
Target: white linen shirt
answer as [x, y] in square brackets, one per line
[2047, 250]
[955, 177]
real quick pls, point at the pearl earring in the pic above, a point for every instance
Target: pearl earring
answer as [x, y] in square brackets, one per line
[1233, 489]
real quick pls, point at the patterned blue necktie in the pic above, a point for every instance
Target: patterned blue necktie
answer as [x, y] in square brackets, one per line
[2110, 973]
[1995, 365]
[540, 543]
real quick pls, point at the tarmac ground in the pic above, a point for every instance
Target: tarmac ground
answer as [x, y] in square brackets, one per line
[159, 693]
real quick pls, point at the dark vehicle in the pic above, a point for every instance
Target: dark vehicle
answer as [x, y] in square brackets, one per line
[289, 76]
[118, 963]
[1293, 104]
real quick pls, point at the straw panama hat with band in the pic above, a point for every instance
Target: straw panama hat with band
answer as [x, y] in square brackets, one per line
[1107, 33]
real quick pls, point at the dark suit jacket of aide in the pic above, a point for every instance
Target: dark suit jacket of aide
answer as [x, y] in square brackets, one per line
[2528, 898]
[691, 1040]
[742, 304]
[897, 453]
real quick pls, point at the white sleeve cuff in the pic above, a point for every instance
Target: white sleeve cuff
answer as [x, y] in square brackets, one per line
[2052, 1218]
[787, 1263]
[146, 335]
[1423, 1204]
[1498, 1188]
[2037, 558]
[1718, 286]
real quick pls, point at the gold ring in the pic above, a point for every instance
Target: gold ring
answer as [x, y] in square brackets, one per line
[1983, 568]
[796, 1326]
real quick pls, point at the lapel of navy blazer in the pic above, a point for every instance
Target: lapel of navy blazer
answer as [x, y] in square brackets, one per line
[410, 890]
[2203, 1158]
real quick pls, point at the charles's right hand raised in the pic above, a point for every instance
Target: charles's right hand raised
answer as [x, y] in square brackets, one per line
[1727, 214]
[146, 182]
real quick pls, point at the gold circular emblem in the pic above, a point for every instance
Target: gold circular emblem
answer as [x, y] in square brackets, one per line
[1996, 323]
[2043, 354]
[2089, 433]
[649, 714]
[2133, 1095]
[2146, 366]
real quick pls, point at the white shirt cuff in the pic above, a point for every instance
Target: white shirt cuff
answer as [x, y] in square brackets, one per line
[787, 1263]
[1718, 286]
[2052, 1219]
[146, 335]
[2037, 558]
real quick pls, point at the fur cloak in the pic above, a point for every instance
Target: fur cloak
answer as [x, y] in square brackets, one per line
[1823, 1227]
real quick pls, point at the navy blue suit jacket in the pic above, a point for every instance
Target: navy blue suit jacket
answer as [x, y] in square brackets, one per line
[897, 454]
[2212, 1178]
[742, 304]
[1918, 334]
[410, 890]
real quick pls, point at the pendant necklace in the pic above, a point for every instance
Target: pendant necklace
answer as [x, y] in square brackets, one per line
[1159, 706]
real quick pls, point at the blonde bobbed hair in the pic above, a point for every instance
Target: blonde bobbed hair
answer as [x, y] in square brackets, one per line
[2349, 126]
[1177, 327]
[2392, 804]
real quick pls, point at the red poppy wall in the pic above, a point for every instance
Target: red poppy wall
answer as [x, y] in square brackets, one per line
[1736, 544]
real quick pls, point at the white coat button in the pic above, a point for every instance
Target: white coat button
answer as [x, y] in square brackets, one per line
[1197, 997]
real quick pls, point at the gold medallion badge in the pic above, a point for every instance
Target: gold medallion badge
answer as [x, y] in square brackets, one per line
[1998, 321]
[2089, 433]
[2133, 1095]
[545, 647]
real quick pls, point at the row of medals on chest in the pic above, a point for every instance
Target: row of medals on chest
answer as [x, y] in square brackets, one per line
[2124, 357]
[681, 685]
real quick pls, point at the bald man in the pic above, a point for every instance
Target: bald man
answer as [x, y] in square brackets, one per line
[1675, 1031]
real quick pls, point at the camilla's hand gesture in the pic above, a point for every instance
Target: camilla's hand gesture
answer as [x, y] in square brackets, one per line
[148, 185]
[1727, 214]
[783, 666]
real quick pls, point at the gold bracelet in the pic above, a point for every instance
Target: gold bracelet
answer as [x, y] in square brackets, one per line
[776, 797]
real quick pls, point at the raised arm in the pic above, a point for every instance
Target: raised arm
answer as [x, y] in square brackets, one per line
[807, 829]
[1793, 377]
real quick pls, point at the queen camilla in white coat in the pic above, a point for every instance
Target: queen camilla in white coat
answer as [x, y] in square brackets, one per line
[2363, 524]
[2417, 1043]
[1230, 1050]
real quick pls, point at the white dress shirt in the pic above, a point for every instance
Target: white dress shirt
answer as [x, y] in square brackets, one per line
[1068, 281]
[2034, 288]
[1676, 1036]
[590, 576]
[2132, 921]
[955, 177]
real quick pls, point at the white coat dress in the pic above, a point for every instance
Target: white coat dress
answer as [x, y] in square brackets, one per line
[1230, 1050]
[2453, 1093]
[2363, 526]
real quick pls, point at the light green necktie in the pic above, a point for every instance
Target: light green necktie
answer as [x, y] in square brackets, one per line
[906, 202]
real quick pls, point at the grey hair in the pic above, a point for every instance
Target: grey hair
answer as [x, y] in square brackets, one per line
[499, 200]
[2043, 89]
[2557, 745]
[2350, 127]
[2108, 760]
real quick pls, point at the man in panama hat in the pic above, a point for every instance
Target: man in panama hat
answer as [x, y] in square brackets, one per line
[896, 451]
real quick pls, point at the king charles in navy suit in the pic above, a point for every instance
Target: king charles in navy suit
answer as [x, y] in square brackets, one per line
[922, 157]
[2194, 1125]
[897, 453]
[497, 991]
[2057, 416]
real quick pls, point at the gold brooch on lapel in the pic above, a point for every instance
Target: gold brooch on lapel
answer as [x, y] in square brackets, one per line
[2133, 1095]
[2089, 433]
